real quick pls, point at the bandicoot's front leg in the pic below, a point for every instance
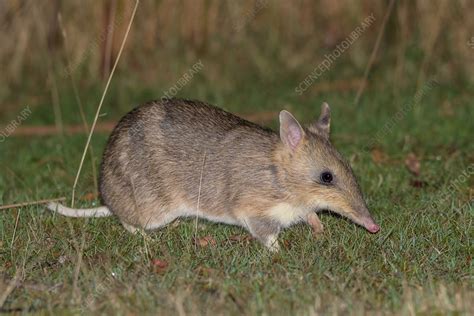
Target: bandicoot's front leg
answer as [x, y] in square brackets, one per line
[313, 220]
[264, 230]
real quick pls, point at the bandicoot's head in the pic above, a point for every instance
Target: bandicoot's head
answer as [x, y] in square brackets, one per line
[316, 174]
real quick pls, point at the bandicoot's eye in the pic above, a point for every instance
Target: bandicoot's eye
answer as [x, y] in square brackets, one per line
[326, 177]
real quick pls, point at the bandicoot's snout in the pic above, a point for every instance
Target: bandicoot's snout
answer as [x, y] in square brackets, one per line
[370, 225]
[361, 217]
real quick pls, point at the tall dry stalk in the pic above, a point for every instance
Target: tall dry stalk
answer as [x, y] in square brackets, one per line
[107, 52]
[402, 24]
[432, 37]
[102, 101]
[374, 51]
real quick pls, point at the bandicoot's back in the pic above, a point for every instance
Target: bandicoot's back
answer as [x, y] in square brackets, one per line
[175, 158]
[164, 155]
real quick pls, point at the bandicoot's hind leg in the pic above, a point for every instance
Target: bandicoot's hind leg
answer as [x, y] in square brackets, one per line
[265, 230]
[132, 229]
[150, 219]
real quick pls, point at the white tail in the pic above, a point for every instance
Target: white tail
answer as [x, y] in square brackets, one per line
[101, 211]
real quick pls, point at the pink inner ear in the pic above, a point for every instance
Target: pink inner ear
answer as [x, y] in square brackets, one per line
[294, 136]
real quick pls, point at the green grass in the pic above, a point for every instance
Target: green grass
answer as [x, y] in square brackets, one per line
[420, 262]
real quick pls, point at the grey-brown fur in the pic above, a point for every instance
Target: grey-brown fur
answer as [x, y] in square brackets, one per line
[166, 156]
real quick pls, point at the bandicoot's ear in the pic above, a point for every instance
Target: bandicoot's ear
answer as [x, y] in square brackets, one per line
[291, 132]
[322, 125]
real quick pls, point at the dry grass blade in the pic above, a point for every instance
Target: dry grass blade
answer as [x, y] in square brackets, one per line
[10, 287]
[9, 206]
[374, 51]
[205, 241]
[102, 101]
[199, 198]
[413, 164]
[432, 38]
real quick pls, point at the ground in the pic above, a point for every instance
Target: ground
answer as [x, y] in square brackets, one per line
[420, 262]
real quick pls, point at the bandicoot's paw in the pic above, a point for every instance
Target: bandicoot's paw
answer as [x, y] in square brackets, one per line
[315, 223]
[272, 244]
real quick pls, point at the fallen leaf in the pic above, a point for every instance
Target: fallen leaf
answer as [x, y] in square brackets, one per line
[418, 183]
[287, 244]
[90, 197]
[240, 238]
[205, 271]
[413, 164]
[378, 156]
[159, 265]
[447, 109]
[205, 241]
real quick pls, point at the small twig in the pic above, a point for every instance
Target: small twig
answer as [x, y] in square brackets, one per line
[14, 231]
[178, 300]
[10, 287]
[51, 78]
[77, 269]
[58, 116]
[15, 282]
[109, 40]
[432, 37]
[374, 51]
[199, 198]
[39, 287]
[6, 207]
[102, 101]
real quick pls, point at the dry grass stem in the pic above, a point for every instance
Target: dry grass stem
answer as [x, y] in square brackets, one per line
[374, 51]
[102, 101]
[9, 206]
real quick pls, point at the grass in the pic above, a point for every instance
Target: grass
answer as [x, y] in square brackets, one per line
[420, 262]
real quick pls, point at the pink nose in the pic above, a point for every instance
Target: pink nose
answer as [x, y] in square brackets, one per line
[373, 228]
